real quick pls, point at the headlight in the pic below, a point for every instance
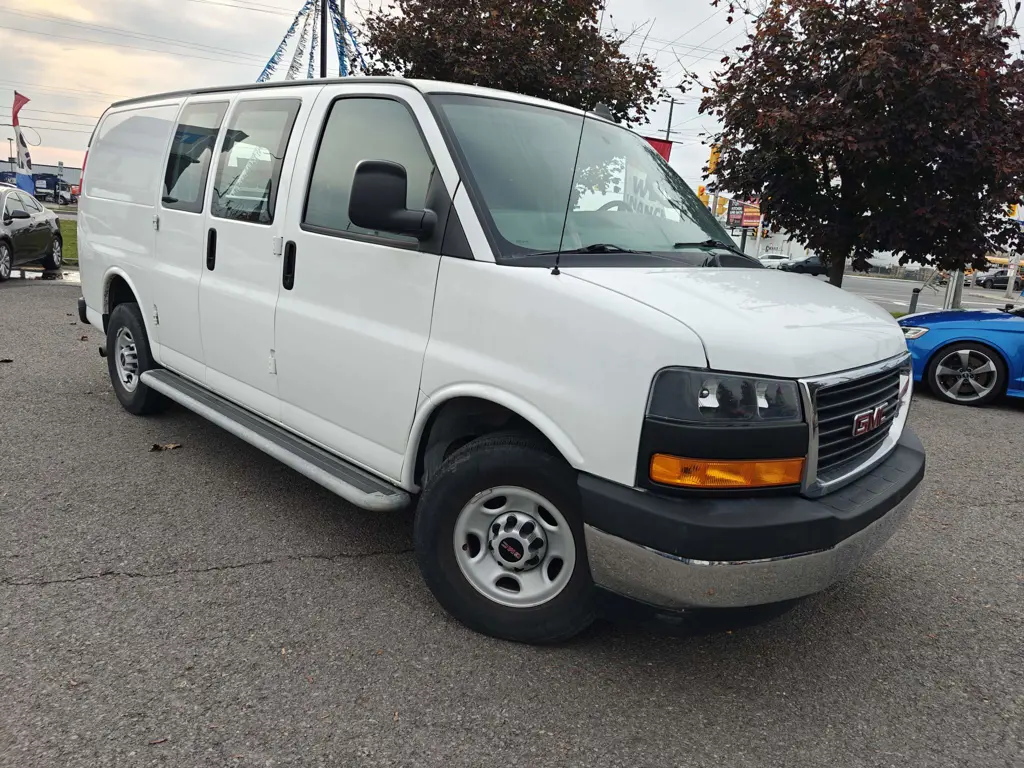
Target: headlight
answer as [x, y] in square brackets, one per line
[706, 397]
[910, 332]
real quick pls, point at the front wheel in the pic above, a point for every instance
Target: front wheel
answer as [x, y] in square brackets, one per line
[967, 373]
[128, 357]
[987, 284]
[499, 540]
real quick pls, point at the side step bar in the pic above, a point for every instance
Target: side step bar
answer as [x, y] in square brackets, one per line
[347, 480]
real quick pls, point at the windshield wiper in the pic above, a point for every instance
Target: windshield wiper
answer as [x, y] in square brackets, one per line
[712, 244]
[592, 248]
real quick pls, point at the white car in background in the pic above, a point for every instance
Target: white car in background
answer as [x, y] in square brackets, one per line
[773, 260]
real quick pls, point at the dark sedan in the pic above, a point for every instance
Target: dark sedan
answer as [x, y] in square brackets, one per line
[809, 265]
[28, 232]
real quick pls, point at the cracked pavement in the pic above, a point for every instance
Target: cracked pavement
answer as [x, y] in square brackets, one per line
[207, 606]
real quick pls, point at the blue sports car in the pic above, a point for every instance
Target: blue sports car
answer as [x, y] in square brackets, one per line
[969, 357]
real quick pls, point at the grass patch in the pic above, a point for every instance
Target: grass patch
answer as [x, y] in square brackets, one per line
[69, 234]
[898, 315]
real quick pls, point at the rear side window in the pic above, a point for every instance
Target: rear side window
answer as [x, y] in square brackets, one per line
[188, 164]
[126, 158]
[360, 129]
[250, 160]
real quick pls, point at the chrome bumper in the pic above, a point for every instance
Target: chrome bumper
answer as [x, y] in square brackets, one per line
[672, 582]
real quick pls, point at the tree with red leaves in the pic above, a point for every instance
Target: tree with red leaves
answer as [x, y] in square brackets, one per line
[551, 50]
[877, 125]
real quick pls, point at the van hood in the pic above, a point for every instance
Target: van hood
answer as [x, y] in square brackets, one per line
[762, 321]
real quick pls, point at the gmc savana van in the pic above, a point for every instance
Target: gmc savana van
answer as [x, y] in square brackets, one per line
[512, 314]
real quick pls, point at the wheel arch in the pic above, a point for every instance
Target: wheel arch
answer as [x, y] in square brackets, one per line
[118, 288]
[448, 419]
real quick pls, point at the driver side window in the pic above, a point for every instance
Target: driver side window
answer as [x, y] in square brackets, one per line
[12, 205]
[360, 129]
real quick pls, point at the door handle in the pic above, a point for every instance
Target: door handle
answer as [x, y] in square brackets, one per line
[288, 271]
[211, 249]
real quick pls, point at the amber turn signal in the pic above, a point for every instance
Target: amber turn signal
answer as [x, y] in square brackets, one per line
[703, 473]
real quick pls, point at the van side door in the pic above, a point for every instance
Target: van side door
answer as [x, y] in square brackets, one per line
[353, 317]
[180, 238]
[241, 265]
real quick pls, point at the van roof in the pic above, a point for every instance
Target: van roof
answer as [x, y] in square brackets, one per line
[423, 86]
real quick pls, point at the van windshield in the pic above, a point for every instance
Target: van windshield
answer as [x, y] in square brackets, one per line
[549, 181]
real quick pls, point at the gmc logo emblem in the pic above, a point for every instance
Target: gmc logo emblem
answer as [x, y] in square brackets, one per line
[868, 421]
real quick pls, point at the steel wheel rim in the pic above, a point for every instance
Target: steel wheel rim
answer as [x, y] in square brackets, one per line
[56, 253]
[126, 360]
[5, 261]
[514, 584]
[966, 375]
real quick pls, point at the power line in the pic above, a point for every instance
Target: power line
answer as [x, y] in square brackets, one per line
[125, 45]
[4, 108]
[128, 33]
[47, 128]
[250, 7]
[26, 84]
[59, 122]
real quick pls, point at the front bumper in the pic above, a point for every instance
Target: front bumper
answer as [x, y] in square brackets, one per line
[731, 552]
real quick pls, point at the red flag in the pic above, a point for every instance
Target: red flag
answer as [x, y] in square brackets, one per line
[661, 146]
[19, 102]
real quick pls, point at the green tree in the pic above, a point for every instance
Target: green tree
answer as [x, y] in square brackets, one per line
[551, 50]
[877, 125]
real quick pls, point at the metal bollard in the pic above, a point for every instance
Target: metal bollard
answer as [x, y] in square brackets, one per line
[914, 296]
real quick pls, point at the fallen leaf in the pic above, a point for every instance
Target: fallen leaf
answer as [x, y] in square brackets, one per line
[164, 447]
[310, 679]
[396, 715]
[158, 741]
[6, 360]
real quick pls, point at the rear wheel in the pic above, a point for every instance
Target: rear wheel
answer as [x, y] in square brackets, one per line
[987, 284]
[55, 258]
[6, 261]
[967, 373]
[128, 357]
[499, 540]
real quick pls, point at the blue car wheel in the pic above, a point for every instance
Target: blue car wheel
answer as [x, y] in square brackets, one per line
[967, 373]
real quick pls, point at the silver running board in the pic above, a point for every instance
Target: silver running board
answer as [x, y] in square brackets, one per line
[347, 480]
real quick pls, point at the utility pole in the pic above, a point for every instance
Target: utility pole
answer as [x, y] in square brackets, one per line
[668, 128]
[323, 37]
[1011, 274]
[10, 152]
[760, 233]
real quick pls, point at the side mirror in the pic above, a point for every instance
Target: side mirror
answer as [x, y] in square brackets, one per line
[378, 198]
[20, 214]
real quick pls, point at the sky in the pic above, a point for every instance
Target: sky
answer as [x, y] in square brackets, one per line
[72, 58]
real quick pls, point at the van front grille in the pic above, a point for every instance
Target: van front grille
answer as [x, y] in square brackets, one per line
[846, 409]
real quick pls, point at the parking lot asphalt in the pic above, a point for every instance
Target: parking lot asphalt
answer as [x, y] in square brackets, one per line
[207, 606]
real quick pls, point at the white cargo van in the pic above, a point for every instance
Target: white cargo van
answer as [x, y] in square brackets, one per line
[511, 314]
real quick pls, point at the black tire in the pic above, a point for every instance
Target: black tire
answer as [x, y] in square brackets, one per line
[987, 285]
[141, 400]
[55, 258]
[1000, 375]
[6, 260]
[490, 462]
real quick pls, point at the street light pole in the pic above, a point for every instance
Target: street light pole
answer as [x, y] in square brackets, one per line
[323, 38]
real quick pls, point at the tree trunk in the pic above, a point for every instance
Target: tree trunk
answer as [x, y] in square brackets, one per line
[836, 268]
